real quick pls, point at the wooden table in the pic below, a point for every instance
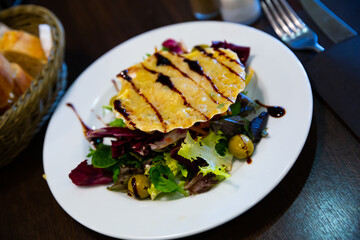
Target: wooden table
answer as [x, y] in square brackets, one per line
[318, 199]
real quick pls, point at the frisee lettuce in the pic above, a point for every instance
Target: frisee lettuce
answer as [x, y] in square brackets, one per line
[220, 172]
[174, 165]
[205, 148]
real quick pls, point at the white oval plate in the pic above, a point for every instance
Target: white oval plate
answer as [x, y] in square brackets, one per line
[281, 80]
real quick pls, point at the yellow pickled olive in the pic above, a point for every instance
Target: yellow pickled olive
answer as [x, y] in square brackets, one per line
[138, 185]
[241, 146]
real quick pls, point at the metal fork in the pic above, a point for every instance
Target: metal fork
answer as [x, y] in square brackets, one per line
[289, 27]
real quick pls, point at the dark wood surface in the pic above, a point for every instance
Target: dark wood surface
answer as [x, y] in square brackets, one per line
[318, 199]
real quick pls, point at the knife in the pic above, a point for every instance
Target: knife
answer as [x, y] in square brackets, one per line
[335, 28]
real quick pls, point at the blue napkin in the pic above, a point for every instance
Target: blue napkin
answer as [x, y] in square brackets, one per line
[335, 75]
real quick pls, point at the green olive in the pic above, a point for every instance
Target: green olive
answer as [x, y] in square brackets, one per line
[138, 186]
[241, 146]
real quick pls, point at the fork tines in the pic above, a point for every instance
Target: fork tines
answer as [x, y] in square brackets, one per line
[289, 27]
[282, 18]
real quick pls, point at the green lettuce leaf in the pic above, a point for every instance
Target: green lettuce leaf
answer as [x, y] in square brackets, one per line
[205, 149]
[117, 123]
[235, 108]
[221, 146]
[101, 157]
[130, 159]
[164, 180]
[219, 172]
[174, 165]
[153, 192]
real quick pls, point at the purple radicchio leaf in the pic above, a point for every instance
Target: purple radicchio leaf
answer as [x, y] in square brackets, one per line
[242, 52]
[115, 132]
[258, 125]
[229, 126]
[168, 138]
[138, 142]
[119, 147]
[142, 146]
[173, 46]
[201, 183]
[246, 103]
[87, 175]
[125, 139]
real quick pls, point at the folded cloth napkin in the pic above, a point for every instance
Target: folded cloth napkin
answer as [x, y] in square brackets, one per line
[335, 75]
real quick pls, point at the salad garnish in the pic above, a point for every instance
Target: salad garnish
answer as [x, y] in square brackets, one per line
[185, 161]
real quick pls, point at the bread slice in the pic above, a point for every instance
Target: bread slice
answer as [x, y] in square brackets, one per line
[6, 84]
[21, 79]
[24, 49]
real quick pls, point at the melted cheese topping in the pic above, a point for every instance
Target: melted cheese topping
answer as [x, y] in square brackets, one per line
[169, 91]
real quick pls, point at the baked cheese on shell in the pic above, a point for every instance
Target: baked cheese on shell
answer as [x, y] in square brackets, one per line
[168, 91]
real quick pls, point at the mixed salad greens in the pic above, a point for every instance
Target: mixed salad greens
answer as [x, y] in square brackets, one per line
[186, 161]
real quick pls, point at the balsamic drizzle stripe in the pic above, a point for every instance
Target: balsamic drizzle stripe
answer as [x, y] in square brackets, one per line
[222, 53]
[165, 80]
[165, 61]
[125, 76]
[85, 128]
[210, 55]
[205, 75]
[195, 66]
[123, 112]
[133, 184]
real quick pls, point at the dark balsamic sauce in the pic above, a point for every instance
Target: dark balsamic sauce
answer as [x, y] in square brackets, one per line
[122, 111]
[133, 184]
[221, 53]
[203, 51]
[165, 80]
[249, 160]
[124, 74]
[86, 129]
[194, 66]
[162, 61]
[117, 105]
[207, 77]
[274, 111]
[227, 57]
[115, 85]
[148, 69]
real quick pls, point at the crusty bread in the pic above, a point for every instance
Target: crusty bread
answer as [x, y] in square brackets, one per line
[21, 79]
[13, 82]
[24, 49]
[6, 84]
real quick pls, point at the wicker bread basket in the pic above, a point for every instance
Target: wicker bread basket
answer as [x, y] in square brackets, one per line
[24, 119]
